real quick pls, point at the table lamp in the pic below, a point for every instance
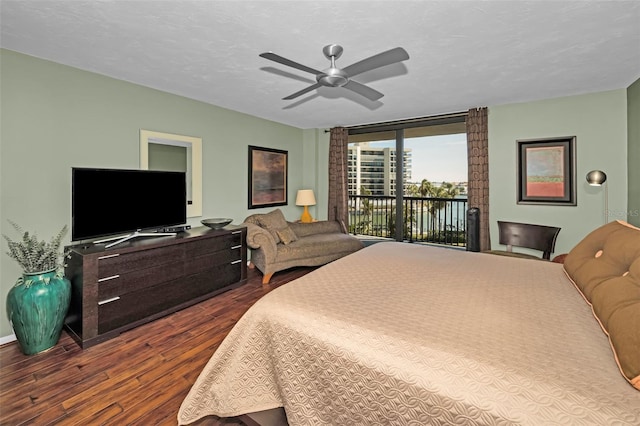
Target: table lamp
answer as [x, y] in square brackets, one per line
[305, 198]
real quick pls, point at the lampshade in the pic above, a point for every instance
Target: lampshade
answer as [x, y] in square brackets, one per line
[305, 197]
[596, 177]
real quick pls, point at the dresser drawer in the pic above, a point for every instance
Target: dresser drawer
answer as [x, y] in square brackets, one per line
[201, 283]
[128, 281]
[117, 289]
[225, 242]
[156, 300]
[114, 264]
[194, 265]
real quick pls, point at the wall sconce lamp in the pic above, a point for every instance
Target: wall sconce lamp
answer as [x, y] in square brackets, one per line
[598, 178]
[305, 198]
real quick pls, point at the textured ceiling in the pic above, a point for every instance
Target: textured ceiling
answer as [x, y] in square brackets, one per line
[463, 54]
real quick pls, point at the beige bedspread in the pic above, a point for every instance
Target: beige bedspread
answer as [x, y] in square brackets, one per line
[401, 334]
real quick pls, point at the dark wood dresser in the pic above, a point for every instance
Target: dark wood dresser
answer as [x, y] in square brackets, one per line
[117, 289]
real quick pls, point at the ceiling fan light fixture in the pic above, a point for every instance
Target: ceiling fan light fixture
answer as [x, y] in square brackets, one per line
[333, 77]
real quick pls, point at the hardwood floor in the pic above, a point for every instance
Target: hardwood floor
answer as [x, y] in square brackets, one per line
[140, 377]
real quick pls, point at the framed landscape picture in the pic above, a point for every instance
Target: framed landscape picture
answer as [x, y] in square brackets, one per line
[547, 171]
[267, 177]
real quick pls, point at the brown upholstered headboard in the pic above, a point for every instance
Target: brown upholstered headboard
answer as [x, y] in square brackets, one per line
[605, 268]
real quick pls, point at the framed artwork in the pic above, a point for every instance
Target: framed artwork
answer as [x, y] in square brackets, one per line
[547, 171]
[267, 177]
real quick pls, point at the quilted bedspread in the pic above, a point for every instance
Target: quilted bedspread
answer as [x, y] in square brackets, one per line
[401, 334]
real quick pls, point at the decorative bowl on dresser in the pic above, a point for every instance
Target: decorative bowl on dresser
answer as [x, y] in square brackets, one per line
[216, 222]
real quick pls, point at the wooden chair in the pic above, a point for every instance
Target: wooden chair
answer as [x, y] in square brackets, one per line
[537, 237]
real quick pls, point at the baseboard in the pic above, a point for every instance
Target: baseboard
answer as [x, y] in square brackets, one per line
[7, 339]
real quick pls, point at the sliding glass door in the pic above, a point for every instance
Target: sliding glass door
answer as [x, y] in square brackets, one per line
[408, 180]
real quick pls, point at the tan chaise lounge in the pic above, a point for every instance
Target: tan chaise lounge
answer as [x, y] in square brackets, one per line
[277, 245]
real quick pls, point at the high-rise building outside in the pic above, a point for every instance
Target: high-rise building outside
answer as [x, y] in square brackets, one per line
[373, 168]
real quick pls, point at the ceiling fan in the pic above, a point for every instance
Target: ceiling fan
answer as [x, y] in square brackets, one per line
[341, 77]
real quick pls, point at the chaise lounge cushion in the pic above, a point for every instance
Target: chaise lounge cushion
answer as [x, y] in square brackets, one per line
[274, 222]
[286, 235]
[605, 268]
[314, 245]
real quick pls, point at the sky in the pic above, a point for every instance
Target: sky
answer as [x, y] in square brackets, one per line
[436, 158]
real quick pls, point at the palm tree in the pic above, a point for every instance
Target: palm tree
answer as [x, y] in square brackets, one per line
[366, 210]
[412, 190]
[426, 188]
[445, 190]
[448, 190]
[391, 224]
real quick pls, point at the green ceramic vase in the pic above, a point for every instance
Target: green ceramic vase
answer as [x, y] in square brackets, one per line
[37, 306]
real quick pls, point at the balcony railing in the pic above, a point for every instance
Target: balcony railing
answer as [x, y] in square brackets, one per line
[432, 220]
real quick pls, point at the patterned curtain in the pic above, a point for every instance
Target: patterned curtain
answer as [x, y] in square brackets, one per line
[478, 155]
[338, 190]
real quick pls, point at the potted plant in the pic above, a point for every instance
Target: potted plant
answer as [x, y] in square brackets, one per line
[38, 303]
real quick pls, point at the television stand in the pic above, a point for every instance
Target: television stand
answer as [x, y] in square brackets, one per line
[117, 289]
[132, 236]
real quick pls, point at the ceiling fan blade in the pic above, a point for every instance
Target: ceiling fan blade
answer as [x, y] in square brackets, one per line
[302, 92]
[277, 58]
[361, 89]
[376, 61]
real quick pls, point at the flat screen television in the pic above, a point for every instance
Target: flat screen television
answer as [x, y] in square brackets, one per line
[108, 202]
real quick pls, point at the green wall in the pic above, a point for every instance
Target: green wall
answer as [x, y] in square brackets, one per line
[56, 117]
[633, 107]
[599, 121]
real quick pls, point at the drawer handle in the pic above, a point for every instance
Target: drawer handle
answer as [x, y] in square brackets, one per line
[109, 256]
[236, 232]
[236, 247]
[113, 299]
[236, 261]
[112, 277]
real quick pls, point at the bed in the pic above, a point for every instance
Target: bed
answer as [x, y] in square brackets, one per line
[402, 334]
